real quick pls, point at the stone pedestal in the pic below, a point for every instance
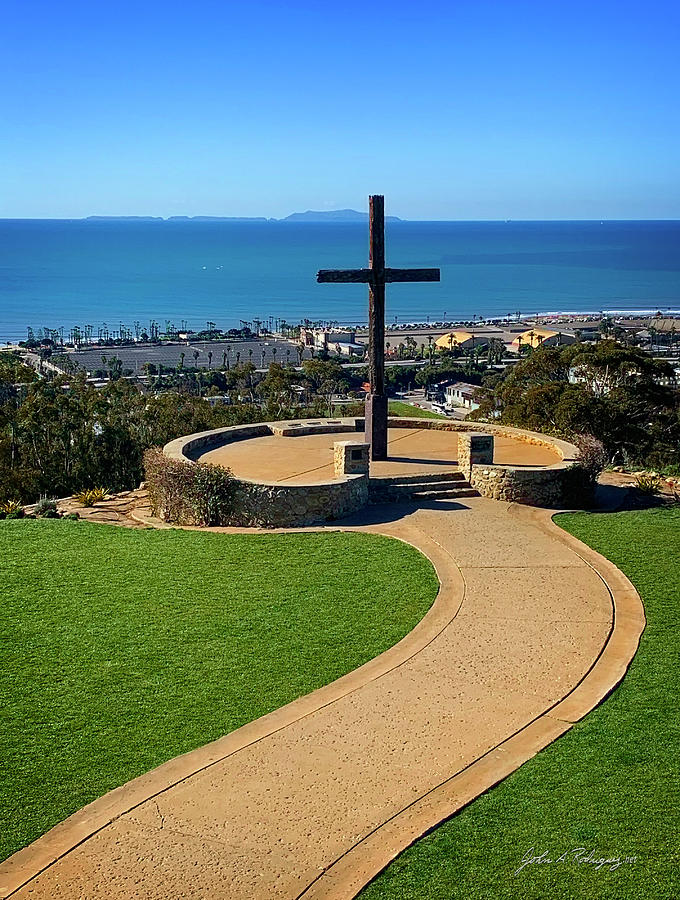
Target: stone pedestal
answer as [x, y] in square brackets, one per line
[350, 458]
[474, 447]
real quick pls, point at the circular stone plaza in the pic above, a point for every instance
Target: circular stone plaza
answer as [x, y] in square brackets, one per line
[297, 473]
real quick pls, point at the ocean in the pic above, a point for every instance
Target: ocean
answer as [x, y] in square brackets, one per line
[61, 273]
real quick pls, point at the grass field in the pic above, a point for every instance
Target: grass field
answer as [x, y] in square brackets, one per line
[124, 648]
[609, 785]
[399, 408]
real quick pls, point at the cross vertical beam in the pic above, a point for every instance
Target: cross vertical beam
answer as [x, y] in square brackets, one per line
[376, 402]
[376, 277]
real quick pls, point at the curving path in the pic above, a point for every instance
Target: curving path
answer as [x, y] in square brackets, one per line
[530, 630]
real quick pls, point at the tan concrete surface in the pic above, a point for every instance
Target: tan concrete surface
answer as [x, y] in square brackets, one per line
[309, 458]
[313, 800]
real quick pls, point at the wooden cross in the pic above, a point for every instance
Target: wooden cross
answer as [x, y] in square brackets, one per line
[376, 276]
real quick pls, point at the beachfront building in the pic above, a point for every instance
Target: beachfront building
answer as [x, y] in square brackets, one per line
[542, 337]
[660, 333]
[343, 342]
[463, 339]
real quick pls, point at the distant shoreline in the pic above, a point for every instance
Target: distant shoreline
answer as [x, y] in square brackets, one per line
[567, 317]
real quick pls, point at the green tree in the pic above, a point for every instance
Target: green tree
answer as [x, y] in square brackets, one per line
[616, 393]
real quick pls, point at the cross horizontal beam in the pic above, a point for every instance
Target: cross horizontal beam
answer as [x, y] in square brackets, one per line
[372, 276]
[354, 276]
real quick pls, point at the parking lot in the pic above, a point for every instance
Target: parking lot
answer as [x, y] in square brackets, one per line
[260, 352]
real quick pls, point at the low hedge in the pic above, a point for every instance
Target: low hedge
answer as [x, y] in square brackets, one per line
[188, 493]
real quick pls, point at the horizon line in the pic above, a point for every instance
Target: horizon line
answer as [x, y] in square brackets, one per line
[274, 219]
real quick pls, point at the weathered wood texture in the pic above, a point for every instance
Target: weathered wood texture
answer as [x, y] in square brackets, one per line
[367, 276]
[376, 314]
[356, 276]
[376, 277]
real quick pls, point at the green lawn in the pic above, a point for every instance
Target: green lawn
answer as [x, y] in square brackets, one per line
[399, 408]
[609, 785]
[122, 648]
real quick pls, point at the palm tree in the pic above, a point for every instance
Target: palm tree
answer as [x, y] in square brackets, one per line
[288, 356]
[238, 357]
[224, 360]
[210, 356]
[181, 360]
[274, 352]
[250, 354]
[195, 355]
[300, 352]
[606, 325]
[263, 354]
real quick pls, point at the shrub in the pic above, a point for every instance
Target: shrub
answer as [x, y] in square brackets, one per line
[592, 455]
[12, 509]
[90, 496]
[46, 508]
[188, 493]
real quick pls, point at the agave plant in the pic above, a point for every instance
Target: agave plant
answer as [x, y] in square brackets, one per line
[11, 507]
[648, 483]
[90, 496]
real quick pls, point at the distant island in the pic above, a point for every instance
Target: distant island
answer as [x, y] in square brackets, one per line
[178, 219]
[333, 215]
[330, 215]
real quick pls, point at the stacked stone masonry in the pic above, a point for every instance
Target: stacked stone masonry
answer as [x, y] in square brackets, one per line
[564, 484]
[277, 504]
[474, 447]
[350, 458]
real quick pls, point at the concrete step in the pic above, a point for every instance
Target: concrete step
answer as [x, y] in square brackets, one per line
[416, 486]
[396, 480]
[445, 495]
[440, 489]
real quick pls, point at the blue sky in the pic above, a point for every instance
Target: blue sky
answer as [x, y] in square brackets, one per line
[454, 110]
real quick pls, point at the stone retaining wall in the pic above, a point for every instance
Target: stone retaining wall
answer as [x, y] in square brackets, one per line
[279, 504]
[283, 505]
[563, 484]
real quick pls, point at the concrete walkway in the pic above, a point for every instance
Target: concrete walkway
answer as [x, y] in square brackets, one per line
[314, 799]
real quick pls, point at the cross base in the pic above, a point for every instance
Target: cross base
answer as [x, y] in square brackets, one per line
[376, 425]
